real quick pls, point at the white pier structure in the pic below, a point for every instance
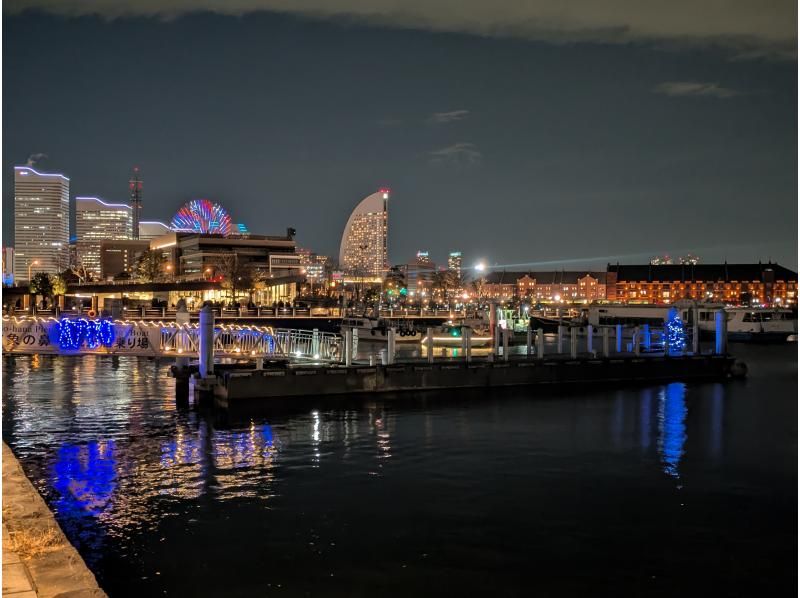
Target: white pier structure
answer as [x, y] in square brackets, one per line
[29, 335]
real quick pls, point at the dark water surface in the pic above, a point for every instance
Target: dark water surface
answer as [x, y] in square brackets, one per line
[666, 490]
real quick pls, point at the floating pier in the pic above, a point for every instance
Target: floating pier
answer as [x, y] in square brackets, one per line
[230, 387]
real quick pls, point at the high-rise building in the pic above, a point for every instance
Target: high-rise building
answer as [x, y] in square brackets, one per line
[424, 258]
[97, 221]
[363, 250]
[454, 262]
[135, 188]
[41, 222]
[150, 229]
[8, 266]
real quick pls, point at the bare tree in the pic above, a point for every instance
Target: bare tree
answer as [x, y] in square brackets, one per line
[236, 274]
[150, 266]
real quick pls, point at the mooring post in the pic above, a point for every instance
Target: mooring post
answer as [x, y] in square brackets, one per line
[259, 363]
[590, 338]
[348, 347]
[573, 341]
[605, 342]
[464, 340]
[721, 329]
[619, 338]
[429, 344]
[636, 340]
[468, 352]
[206, 341]
[506, 335]
[529, 341]
[540, 343]
[560, 347]
[390, 342]
[182, 363]
[496, 347]
[315, 341]
[646, 337]
[695, 331]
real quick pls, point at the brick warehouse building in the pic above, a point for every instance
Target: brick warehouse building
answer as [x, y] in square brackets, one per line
[768, 284]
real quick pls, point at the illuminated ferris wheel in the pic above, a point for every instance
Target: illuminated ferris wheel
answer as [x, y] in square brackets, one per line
[203, 216]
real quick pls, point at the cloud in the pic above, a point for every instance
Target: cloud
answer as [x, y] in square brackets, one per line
[692, 88]
[34, 159]
[440, 118]
[389, 122]
[458, 154]
[748, 25]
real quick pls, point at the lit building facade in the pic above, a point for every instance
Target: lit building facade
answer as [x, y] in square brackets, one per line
[120, 257]
[97, 221]
[8, 266]
[547, 286]
[150, 229]
[41, 222]
[454, 262]
[765, 284]
[363, 249]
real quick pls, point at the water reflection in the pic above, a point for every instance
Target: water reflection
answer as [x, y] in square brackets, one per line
[672, 426]
[103, 441]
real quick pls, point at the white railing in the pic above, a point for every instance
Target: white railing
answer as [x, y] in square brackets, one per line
[123, 337]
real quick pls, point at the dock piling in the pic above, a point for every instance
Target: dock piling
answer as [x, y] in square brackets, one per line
[529, 341]
[606, 352]
[506, 335]
[619, 338]
[721, 330]
[540, 343]
[636, 340]
[590, 338]
[429, 344]
[390, 345]
[348, 346]
[560, 344]
[206, 341]
[646, 337]
[573, 341]
[695, 331]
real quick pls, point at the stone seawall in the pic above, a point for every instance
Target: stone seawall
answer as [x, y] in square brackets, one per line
[38, 560]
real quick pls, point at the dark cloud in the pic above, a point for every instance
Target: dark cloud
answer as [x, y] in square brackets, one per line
[34, 159]
[751, 25]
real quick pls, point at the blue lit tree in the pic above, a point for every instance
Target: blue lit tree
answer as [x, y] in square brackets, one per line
[675, 333]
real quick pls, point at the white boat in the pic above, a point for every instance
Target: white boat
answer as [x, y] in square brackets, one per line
[450, 334]
[751, 324]
[377, 329]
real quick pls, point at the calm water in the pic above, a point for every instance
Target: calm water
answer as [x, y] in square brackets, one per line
[665, 490]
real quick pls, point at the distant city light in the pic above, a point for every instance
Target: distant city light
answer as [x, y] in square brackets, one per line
[480, 267]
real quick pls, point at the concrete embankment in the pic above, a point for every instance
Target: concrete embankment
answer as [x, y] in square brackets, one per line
[38, 560]
[325, 380]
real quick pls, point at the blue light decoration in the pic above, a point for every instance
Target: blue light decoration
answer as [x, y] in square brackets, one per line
[73, 334]
[675, 333]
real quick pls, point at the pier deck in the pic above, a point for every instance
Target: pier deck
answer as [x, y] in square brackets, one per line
[305, 381]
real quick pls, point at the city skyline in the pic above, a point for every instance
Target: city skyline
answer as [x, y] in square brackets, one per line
[646, 149]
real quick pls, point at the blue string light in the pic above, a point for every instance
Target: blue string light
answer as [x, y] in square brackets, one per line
[73, 334]
[676, 334]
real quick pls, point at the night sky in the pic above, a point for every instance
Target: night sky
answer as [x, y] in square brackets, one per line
[519, 137]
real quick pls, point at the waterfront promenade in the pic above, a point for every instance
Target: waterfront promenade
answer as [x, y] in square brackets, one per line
[38, 560]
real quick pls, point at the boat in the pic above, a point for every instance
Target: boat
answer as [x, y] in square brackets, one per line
[377, 329]
[751, 324]
[450, 334]
[747, 324]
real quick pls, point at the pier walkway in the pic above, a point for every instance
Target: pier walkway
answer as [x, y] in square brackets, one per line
[37, 335]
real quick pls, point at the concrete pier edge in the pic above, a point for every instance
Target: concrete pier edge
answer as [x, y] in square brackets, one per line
[59, 571]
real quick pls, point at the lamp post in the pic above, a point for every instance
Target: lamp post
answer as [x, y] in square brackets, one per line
[169, 269]
[31, 265]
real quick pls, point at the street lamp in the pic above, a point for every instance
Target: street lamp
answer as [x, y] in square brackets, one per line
[207, 271]
[31, 265]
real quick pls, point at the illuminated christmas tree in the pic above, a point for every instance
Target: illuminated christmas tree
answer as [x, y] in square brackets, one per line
[675, 333]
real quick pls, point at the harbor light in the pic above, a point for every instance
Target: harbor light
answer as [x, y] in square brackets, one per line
[480, 267]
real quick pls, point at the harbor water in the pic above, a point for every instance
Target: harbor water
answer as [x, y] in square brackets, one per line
[662, 490]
